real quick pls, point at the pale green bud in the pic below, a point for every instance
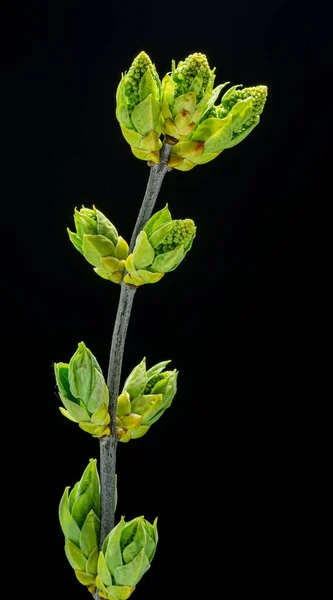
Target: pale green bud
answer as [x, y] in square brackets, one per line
[83, 392]
[145, 397]
[98, 240]
[126, 555]
[79, 515]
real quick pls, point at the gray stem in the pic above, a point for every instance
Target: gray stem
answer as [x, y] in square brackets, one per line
[108, 444]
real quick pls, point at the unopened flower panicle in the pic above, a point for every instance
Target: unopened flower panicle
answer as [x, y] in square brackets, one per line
[194, 73]
[187, 95]
[257, 93]
[220, 127]
[160, 247]
[139, 108]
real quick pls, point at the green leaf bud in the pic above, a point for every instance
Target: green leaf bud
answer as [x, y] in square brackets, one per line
[126, 555]
[81, 372]
[79, 516]
[145, 397]
[85, 221]
[159, 248]
[98, 240]
[83, 392]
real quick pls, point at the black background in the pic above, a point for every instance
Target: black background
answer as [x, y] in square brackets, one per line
[220, 469]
